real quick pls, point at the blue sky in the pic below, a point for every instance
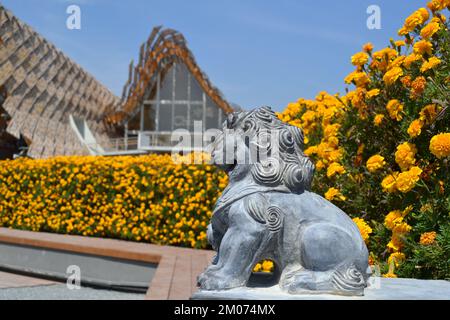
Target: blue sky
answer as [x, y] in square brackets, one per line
[256, 52]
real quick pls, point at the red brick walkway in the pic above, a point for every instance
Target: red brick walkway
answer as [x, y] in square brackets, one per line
[175, 277]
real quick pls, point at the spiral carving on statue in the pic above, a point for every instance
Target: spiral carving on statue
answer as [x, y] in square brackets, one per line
[274, 219]
[268, 172]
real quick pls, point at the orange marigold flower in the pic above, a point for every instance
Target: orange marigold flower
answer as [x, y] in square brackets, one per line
[415, 128]
[427, 238]
[400, 43]
[428, 113]
[429, 30]
[406, 81]
[378, 119]
[404, 156]
[368, 47]
[388, 184]
[407, 180]
[437, 5]
[418, 86]
[410, 59]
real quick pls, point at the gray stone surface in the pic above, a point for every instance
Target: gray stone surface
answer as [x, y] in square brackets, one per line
[95, 270]
[61, 292]
[267, 212]
[386, 289]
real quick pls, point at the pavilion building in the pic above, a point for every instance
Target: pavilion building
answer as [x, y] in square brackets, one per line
[50, 106]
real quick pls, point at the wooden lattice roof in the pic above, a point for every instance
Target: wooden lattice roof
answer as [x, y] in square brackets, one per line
[44, 87]
[163, 48]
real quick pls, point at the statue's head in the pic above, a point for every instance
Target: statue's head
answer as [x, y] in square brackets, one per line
[259, 145]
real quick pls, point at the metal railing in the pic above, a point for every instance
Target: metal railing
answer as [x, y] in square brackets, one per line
[147, 141]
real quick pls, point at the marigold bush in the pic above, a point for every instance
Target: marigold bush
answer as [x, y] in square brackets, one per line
[147, 198]
[382, 150]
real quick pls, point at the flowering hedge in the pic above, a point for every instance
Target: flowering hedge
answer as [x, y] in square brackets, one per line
[147, 198]
[382, 149]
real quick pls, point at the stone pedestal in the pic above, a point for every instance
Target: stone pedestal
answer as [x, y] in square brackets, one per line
[379, 289]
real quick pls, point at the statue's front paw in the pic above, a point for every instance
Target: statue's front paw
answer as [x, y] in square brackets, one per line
[217, 281]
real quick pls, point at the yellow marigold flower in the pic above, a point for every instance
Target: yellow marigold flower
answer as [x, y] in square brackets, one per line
[375, 163]
[401, 228]
[429, 30]
[368, 47]
[396, 243]
[320, 165]
[392, 218]
[397, 62]
[410, 59]
[267, 266]
[430, 64]
[334, 194]
[360, 79]
[423, 46]
[395, 218]
[310, 151]
[404, 156]
[372, 93]
[257, 267]
[359, 59]
[427, 238]
[396, 258]
[389, 182]
[416, 18]
[424, 13]
[335, 168]
[415, 128]
[395, 108]
[378, 119]
[439, 18]
[392, 75]
[407, 180]
[363, 227]
[440, 145]
[389, 275]
[331, 130]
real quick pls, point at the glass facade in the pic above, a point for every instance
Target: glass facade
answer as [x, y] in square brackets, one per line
[177, 102]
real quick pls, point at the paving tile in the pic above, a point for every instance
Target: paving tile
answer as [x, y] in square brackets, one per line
[11, 280]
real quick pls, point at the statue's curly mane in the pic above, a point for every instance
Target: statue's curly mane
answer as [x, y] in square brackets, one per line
[285, 164]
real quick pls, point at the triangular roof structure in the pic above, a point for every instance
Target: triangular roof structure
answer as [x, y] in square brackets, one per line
[163, 48]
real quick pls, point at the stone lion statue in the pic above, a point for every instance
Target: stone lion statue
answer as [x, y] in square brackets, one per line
[268, 212]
